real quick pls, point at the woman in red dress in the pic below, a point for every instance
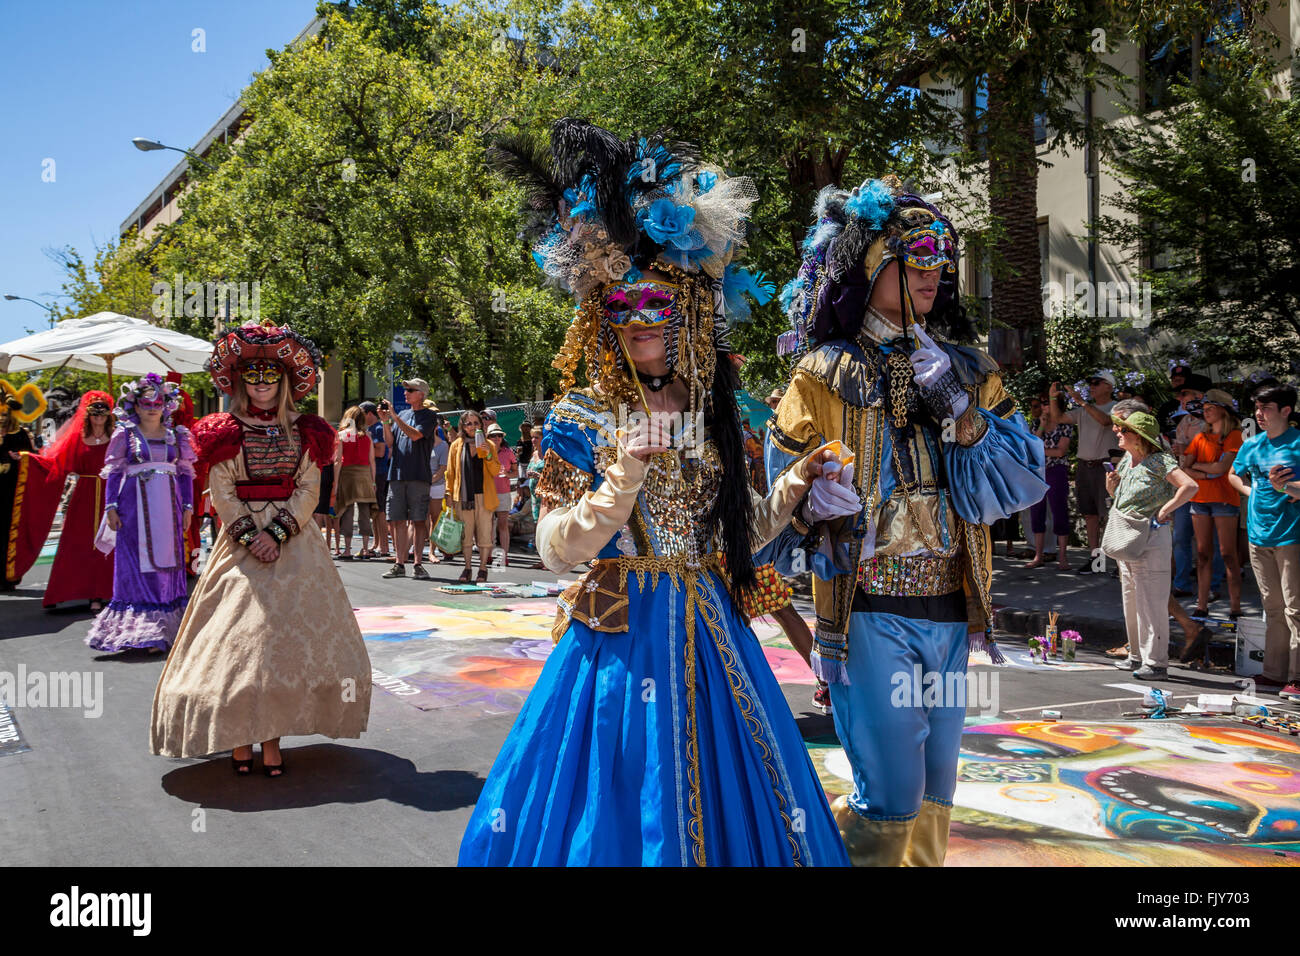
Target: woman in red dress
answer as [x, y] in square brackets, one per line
[80, 572]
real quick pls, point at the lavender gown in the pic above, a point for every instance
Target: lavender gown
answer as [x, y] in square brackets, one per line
[151, 482]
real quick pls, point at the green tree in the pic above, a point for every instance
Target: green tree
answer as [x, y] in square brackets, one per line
[359, 199]
[1212, 194]
[1041, 63]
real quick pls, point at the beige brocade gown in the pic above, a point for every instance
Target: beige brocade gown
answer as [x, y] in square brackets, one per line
[265, 650]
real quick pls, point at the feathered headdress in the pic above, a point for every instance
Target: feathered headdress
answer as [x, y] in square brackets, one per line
[601, 208]
[855, 234]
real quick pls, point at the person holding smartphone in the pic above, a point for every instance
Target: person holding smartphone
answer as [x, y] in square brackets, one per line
[1266, 470]
[409, 436]
[472, 468]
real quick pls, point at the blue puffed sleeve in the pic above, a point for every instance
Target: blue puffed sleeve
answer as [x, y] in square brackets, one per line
[1000, 474]
[570, 441]
[575, 427]
[780, 551]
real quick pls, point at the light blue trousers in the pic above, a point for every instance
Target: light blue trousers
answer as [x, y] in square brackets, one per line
[901, 750]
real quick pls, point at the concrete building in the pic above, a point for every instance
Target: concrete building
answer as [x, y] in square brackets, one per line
[1073, 189]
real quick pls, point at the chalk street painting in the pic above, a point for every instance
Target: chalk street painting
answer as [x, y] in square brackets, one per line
[1127, 793]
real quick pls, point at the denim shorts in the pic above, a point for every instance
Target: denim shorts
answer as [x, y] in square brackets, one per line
[1215, 509]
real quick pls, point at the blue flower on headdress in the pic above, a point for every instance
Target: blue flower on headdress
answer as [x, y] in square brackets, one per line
[873, 201]
[670, 225]
[705, 181]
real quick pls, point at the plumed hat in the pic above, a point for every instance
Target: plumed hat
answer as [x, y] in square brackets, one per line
[251, 341]
[855, 235]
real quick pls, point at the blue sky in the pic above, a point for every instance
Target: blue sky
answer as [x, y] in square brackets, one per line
[81, 78]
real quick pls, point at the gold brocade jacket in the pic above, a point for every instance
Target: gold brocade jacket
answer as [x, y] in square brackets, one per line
[956, 473]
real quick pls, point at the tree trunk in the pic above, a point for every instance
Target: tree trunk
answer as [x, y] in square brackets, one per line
[807, 172]
[1013, 205]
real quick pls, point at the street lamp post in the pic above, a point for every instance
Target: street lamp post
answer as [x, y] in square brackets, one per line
[23, 298]
[149, 145]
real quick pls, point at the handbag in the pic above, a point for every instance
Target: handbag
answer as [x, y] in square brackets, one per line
[448, 533]
[1126, 536]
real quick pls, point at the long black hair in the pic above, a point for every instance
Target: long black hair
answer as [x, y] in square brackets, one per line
[732, 511]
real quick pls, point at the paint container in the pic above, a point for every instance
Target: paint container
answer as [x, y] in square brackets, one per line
[1051, 715]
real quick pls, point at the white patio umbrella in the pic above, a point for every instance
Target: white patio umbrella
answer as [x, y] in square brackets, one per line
[107, 342]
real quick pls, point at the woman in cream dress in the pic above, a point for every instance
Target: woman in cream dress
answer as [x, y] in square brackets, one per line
[269, 646]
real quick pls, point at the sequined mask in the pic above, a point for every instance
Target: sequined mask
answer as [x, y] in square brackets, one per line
[647, 303]
[261, 372]
[928, 247]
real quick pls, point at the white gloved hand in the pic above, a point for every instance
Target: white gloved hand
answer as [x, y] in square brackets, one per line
[832, 496]
[929, 362]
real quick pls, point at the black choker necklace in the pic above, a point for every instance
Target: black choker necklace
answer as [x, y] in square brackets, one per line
[656, 383]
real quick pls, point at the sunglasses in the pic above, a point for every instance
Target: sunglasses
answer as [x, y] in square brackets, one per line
[641, 303]
[407, 388]
[262, 373]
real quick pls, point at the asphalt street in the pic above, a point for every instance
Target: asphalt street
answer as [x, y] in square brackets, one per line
[88, 792]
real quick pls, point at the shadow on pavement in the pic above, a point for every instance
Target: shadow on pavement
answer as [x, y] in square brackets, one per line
[322, 774]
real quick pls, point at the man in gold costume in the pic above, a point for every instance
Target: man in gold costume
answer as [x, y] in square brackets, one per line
[938, 453]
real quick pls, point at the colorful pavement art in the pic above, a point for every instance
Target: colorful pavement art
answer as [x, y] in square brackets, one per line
[1125, 793]
[488, 658]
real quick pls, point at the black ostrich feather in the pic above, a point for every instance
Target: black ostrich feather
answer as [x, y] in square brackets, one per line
[528, 162]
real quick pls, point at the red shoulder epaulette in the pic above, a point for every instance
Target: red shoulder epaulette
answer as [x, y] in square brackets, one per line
[217, 438]
[318, 436]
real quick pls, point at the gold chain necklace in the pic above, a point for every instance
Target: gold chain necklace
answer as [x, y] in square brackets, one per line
[900, 379]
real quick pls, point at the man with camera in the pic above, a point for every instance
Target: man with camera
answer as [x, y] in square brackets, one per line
[409, 438]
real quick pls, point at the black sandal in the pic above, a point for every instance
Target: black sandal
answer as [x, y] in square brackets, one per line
[274, 770]
[464, 577]
[243, 768]
[481, 579]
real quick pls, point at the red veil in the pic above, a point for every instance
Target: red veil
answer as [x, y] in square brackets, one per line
[41, 483]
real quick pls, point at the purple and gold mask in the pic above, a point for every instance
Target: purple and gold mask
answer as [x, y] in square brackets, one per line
[646, 302]
[928, 247]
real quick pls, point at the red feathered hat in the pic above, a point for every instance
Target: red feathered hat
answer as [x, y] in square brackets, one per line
[253, 341]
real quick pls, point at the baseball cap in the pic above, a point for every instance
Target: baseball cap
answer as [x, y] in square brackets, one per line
[1104, 376]
[370, 407]
[416, 383]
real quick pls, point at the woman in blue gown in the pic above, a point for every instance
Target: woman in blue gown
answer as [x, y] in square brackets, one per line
[656, 733]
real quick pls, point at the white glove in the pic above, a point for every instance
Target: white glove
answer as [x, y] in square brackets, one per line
[929, 362]
[832, 496]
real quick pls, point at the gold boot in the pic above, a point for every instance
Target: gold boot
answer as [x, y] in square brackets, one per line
[929, 842]
[871, 842]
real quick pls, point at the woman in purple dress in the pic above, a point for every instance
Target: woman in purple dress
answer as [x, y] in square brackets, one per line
[150, 472]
